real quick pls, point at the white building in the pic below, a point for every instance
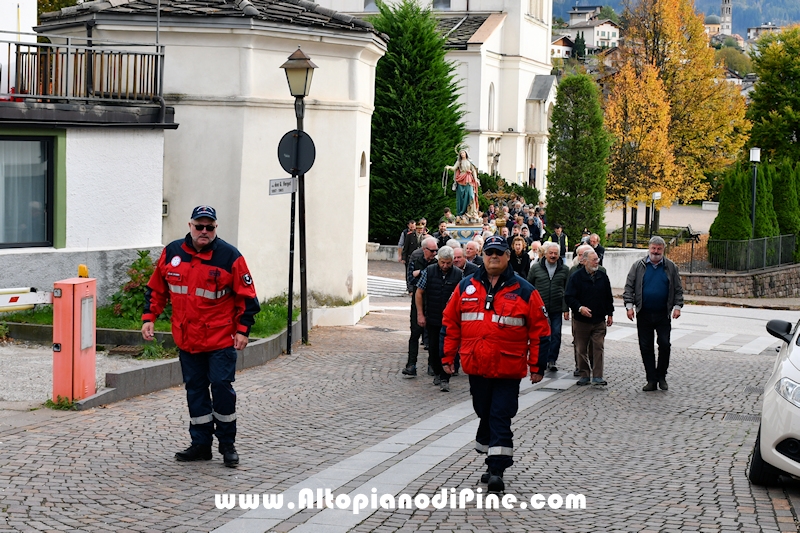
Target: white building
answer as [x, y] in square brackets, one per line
[561, 47]
[756, 32]
[598, 34]
[17, 20]
[223, 77]
[502, 50]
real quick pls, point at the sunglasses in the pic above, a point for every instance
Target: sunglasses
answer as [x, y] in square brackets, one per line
[493, 251]
[432, 249]
[207, 227]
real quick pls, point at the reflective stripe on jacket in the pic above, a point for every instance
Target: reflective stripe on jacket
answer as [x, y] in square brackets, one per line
[499, 342]
[212, 293]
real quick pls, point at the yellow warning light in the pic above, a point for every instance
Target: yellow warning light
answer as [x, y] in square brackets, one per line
[83, 271]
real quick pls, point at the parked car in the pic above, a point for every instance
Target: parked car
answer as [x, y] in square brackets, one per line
[777, 448]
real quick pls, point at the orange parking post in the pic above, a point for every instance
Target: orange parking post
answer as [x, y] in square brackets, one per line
[74, 323]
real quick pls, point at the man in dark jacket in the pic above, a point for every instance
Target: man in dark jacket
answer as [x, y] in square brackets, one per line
[434, 287]
[589, 297]
[550, 279]
[560, 238]
[410, 241]
[654, 289]
[417, 262]
[442, 236]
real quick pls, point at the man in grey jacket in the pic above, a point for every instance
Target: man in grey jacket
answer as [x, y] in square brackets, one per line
[654, 289]
[549, 276]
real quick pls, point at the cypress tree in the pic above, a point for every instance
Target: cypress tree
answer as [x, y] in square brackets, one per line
[417, 122]
[579, 148]
[733, 218]
[785, 200]
[766, 219]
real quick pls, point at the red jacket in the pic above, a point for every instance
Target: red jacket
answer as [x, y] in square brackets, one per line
[212, 293]
[500, 342]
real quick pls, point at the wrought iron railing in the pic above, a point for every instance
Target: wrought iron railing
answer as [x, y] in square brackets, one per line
[80, 69]
[723, 256]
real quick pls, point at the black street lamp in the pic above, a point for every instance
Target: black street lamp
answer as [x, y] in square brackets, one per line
[299, 71]
[755, 158]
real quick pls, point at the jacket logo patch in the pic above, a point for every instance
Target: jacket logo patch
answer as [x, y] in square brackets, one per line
[214, 273]
[544, 312]
[175, 276]
[511, 296]
[175, 261]
[247, 279]
[471, 289]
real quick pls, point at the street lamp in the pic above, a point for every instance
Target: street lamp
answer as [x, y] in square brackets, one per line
[299, 71]
[755, 158]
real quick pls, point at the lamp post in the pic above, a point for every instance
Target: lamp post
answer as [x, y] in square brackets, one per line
[755, 158]
[299, 70]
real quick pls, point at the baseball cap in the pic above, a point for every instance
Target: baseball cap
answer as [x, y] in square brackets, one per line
[495, 243]
[204, 211]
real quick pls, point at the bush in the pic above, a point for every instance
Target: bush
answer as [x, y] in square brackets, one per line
[785, 200]
[128, 302]
[733, 218]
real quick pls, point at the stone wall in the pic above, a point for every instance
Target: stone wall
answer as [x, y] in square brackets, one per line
[781, 282]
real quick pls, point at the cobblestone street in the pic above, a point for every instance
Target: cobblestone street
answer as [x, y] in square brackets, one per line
[664, 461]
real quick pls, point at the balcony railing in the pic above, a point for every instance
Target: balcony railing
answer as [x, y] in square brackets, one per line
[78, 69]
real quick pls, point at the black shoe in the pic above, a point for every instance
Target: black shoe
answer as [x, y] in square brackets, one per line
[410, 370]
[195, 452]
[229, 455]
[552, 367]
[496, 484]
[437, 381]
[651, 386]
[485, 476]
[430, 371]
[576, 373]
[444, 386]
[662, 384]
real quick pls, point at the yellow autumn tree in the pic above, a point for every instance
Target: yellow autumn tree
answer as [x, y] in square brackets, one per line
[707, 126]
[641, 160]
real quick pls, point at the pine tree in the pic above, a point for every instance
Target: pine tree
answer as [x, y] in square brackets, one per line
[786, 203]
[579, 51]
[417, 122]
[766, 218]
[579, 148]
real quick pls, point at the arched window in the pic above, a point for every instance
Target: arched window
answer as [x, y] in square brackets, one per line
[363, 169]
[490, 125]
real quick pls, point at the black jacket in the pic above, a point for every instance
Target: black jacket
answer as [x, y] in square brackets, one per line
[439, 286]
[594, 292]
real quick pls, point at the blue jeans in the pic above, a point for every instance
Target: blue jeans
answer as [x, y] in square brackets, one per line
[550, 346]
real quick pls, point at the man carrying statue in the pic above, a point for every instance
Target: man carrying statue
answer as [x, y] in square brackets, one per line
[466, 183]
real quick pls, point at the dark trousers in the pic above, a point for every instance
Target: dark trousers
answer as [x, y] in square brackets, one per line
[416, 332]
[649, 325]
[214, 413]
[434, 351]
[550, 346]
[495, 401]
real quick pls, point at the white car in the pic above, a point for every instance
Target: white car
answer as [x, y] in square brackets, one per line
[777, 448]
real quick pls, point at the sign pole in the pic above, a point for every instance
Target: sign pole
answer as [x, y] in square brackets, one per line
[291, 278]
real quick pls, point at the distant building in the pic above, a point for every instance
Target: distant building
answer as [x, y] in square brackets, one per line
[561, 46]
[583, 14]
[712, 24]
[768, 27]
[726, 17]
[598, 34]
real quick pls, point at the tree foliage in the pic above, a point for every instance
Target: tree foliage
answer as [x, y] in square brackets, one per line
[735, 60]
[579, 50]
[47, 6]
[733, 218]
[637, 117]
[775, 100]
[607, 12]
[578, 148]
[417, 121]
[786, 201]
[766, 218]
[707, 126]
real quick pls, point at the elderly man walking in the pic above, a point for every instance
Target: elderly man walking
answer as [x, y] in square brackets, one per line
[417, 263]
[495, 320]
[654, 289]
[434, 287]
[550, 279]
[589, 297]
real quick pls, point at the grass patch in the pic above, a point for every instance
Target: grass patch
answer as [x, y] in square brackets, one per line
[269, 321]
[61, 404]
[155, 350]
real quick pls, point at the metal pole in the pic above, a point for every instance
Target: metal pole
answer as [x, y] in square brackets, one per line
[291, 279]
[299, 110]
[624, 224]
[753, 209]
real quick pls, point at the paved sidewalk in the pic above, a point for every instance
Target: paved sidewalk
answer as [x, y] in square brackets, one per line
[669, 461]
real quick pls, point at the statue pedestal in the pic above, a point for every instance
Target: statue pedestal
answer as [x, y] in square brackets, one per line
[464, 233]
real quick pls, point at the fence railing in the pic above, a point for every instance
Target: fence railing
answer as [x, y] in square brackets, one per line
[737, 256]
[89, 70]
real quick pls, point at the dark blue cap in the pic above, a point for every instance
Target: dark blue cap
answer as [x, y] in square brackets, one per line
[204, 211]
[495, 243]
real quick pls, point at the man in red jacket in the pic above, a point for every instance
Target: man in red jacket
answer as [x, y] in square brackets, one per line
[214, 304]
[495, 320]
